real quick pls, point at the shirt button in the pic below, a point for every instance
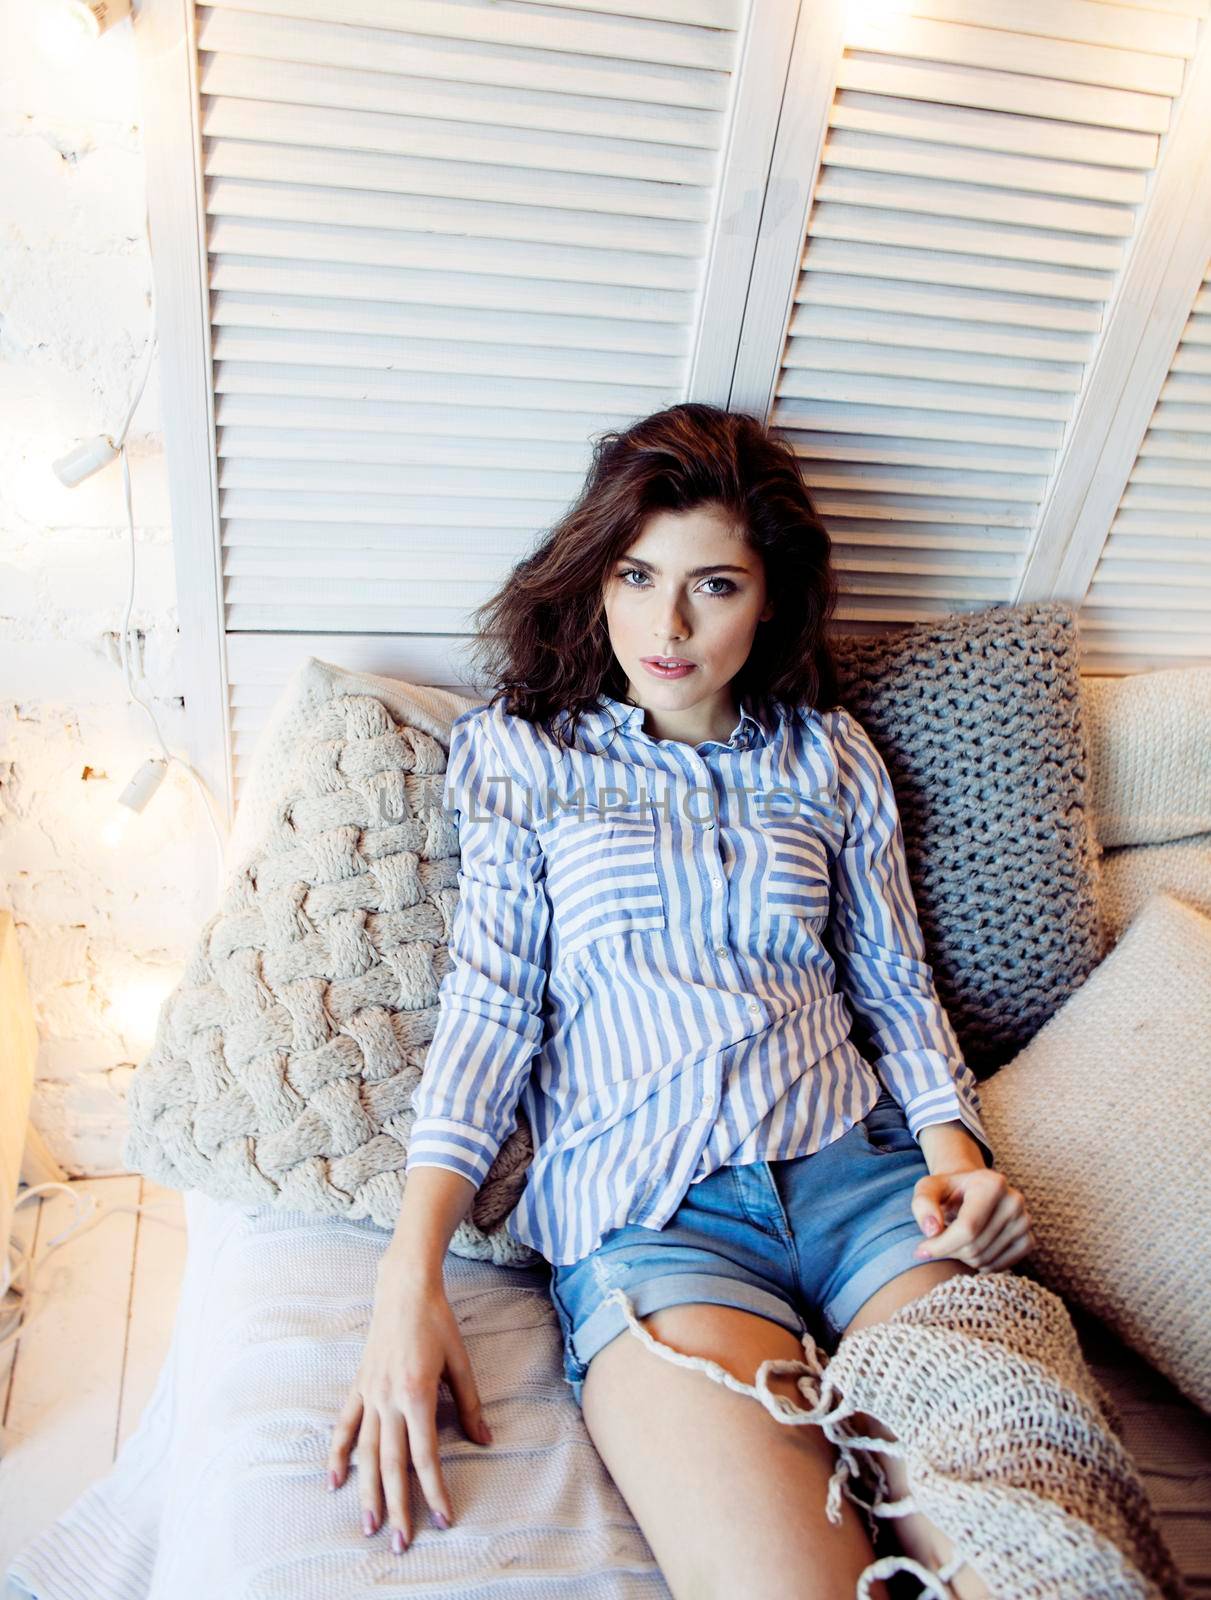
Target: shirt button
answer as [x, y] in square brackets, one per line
[716, 883]
[720, 949]
[708, 1100]
[754, 1007]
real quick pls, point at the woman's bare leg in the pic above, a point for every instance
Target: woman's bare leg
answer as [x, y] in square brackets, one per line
[915, 1533]
[731, 1501]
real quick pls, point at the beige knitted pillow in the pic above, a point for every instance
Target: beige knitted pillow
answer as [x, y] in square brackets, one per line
[285, 1060]
[1133, 873]
[1102, 1120]
[1150, 754]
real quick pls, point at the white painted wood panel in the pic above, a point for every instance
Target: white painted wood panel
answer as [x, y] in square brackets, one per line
[18, 1064]
[74, 1389]
[260, 665]
[64, 1394]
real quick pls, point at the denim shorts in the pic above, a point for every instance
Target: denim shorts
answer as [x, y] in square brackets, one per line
[804, 1242]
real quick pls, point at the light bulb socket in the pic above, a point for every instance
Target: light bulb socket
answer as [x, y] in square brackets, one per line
[144, 783]
[88, 457]
[106, 12]
[95, 16]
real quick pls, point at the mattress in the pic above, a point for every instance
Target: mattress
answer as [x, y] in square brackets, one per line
[220, 1490]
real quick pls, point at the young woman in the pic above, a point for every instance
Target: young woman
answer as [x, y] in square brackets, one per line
[682, 887]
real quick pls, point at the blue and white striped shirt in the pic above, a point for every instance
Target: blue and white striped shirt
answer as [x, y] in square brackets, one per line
[656, 950]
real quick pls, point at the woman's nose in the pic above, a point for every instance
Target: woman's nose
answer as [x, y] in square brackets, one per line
[673, 621]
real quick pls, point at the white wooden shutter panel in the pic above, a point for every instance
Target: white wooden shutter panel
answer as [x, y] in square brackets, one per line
[1149, 604]
[979, 184]
[444, 245]
[439, 260]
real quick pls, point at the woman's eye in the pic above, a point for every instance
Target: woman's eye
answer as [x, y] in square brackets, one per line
[634, 572]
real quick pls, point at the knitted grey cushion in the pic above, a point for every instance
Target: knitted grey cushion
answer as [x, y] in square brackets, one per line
[980, 721]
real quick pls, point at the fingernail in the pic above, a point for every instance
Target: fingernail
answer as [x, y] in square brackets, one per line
[485, 1433]
[441, 1519]
[931, 1225]
[397, 1542]
[332, 1480]
[368, 1522]
[922, 1254]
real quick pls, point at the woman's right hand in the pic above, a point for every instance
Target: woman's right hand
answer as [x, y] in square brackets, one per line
[391, 1410]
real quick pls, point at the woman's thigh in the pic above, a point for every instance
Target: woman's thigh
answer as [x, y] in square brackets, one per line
[730, 1500]
[758, 1261]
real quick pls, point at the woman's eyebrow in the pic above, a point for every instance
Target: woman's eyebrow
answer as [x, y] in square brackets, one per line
[694, 572]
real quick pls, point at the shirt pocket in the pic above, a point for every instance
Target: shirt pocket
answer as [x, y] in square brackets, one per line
[603, 876]
[795, 881]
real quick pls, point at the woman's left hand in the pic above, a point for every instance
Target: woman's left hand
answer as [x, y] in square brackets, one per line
[973, 1215]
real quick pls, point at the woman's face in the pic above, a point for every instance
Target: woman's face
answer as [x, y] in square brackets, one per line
[689, 586]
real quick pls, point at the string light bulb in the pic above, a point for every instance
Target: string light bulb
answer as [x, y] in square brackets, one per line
[66, 28]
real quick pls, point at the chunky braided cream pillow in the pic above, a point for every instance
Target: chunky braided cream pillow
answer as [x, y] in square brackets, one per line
[285, 1060]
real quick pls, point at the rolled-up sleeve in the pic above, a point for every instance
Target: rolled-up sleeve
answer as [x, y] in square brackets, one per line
[491, 1019]
[874, 934]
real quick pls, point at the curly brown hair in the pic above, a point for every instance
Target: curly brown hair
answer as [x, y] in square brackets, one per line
[543, 636]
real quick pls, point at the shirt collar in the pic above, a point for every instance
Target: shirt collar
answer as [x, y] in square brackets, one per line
[748, 733]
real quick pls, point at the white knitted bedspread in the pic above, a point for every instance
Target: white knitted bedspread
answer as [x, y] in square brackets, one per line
[220, 1491]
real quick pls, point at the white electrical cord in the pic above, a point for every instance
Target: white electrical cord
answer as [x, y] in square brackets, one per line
[19, 1317]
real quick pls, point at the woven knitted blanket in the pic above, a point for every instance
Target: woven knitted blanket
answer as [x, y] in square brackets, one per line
[1011, 1447]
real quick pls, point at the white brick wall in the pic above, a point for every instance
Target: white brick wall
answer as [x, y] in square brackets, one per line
[105, 931]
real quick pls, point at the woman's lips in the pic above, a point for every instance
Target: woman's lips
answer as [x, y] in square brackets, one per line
[668, 672]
